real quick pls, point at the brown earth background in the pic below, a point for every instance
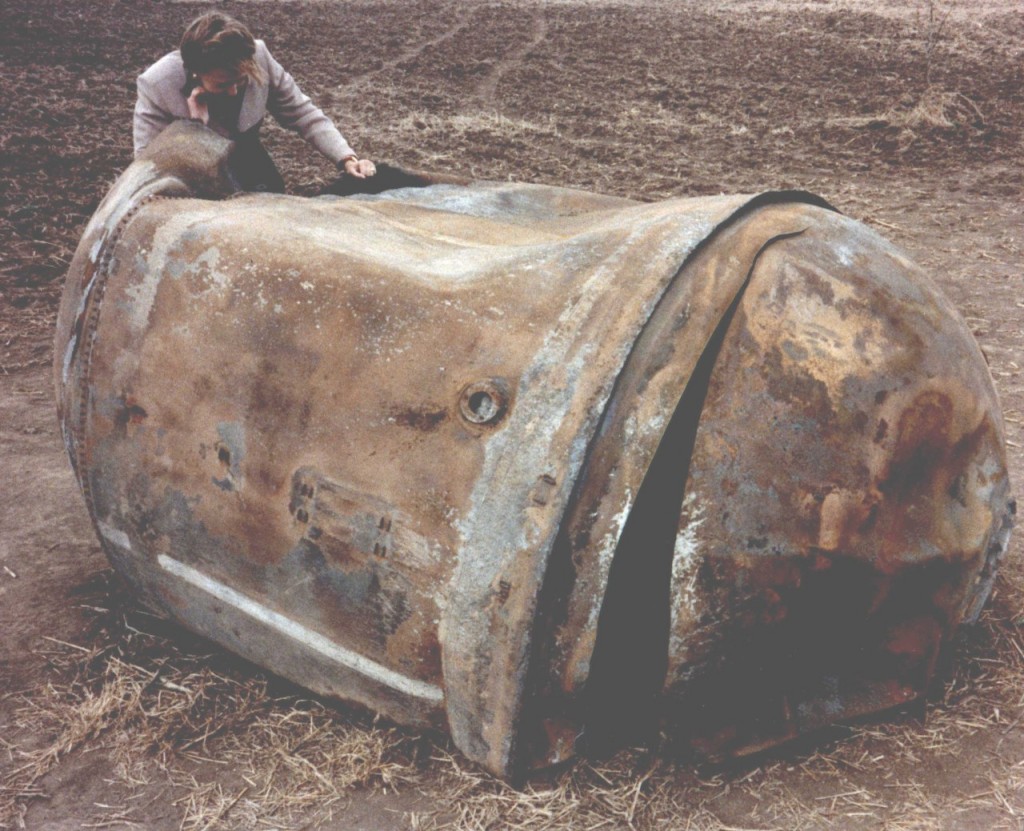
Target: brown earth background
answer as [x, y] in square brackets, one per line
[908, 116]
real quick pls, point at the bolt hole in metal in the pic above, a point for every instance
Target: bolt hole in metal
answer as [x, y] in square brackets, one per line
[482, 406]
[484, 402]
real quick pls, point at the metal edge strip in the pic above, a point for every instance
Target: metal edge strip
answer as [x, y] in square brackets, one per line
[297, 632]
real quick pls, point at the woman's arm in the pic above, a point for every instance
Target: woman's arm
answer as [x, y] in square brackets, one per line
[295, 111]
[149, 119]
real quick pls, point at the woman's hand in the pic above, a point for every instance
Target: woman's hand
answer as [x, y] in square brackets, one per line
[359, 168]
[197, 108]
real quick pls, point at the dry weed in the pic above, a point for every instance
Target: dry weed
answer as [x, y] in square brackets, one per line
[235, 751]
[936, 108]
[238, 754]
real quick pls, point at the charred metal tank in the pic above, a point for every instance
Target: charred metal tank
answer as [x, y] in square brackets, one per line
[514, 461]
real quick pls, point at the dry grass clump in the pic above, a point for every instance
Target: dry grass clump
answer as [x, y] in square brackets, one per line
[238, 753]
[940, 108]
[633, 790]
[879, 775]
[293, 762]
[938, 112]
[234, 751]
[935, 109]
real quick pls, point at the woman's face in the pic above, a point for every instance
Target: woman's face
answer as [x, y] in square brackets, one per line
[228, 82]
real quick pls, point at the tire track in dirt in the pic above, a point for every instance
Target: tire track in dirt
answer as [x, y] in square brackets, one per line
[357, 82]
[487, 89]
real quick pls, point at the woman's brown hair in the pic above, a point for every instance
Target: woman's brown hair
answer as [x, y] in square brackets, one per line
[216, 41]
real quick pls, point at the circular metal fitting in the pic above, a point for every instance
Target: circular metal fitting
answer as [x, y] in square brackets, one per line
[484, 402]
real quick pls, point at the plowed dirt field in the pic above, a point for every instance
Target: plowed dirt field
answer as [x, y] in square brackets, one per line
[906, 115]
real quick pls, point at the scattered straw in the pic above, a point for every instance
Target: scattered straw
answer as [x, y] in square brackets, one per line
[936, 108]
[237, 754]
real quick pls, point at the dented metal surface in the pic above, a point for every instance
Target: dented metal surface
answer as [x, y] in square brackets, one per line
[503, 459]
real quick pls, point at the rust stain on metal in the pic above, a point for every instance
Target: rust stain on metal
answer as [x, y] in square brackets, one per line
[507, 459]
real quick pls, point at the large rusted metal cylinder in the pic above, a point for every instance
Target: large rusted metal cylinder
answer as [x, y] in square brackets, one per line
[471, 455]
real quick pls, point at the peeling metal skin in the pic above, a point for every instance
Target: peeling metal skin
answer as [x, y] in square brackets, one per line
[501, 459]
[847, 499]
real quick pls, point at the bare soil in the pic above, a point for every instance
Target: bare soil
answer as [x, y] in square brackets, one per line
[907, 116]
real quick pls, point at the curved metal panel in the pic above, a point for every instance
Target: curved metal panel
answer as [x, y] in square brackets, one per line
[470, 454]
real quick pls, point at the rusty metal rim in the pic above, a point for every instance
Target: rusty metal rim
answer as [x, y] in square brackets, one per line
[608, 436]
[92, 305]
[499, 697]
[484, 403]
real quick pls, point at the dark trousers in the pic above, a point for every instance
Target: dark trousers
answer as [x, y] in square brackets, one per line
[387, 178]
[251, 166]
[252, 169]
